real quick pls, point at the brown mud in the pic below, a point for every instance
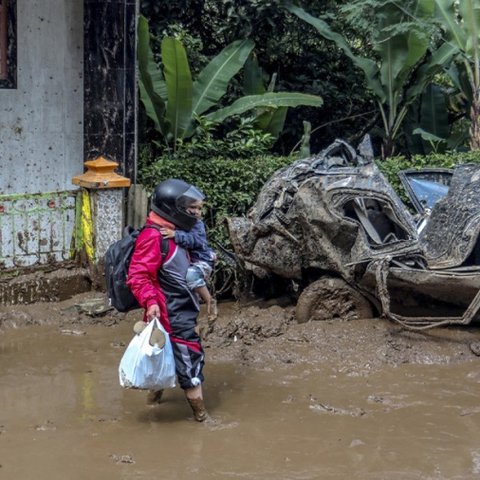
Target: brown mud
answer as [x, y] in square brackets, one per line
[359, 399]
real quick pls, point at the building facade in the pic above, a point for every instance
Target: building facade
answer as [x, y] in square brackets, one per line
[67, 95]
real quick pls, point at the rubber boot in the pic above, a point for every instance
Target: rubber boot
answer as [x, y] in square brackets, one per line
[198, 407]
[154, 397]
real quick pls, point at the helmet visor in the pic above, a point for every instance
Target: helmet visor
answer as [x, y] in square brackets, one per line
[192, 195]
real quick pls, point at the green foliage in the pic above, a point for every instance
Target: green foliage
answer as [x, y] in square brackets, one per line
[230, 185]
[192, 44]
[399, 69]
[433, 122]
[241, 140]
[391, 166]
[366, 15]
[460, 24]
[229, 167]
[299, 58]
[173, 100]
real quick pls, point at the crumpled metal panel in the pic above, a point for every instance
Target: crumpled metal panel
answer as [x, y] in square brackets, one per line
[298, 221]
[335, 214]
[452, 231]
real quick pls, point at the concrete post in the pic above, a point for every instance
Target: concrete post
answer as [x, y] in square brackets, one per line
[102, 212]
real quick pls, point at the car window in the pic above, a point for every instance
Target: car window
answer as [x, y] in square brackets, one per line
[426, 187]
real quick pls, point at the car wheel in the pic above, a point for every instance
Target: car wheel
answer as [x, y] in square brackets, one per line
[330, 298]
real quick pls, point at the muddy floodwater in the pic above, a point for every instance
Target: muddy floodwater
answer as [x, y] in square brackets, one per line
[325, 400]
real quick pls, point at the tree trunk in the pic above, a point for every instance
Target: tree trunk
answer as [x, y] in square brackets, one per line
[388, 147]
[475, 121]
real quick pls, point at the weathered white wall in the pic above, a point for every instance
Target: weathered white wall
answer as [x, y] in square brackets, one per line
[41, 122]
[41, 135]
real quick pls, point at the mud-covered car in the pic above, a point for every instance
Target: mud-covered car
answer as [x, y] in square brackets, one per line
[335, 227]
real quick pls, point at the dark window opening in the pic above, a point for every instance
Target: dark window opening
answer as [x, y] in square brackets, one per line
[3, 39]
[377, 220]
[8, 44]
[474, 257]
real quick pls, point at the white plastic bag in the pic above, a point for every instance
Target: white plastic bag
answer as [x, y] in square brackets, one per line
[145, 366]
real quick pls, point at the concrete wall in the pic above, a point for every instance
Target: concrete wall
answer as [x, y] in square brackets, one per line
[41, 121]
[41, 134]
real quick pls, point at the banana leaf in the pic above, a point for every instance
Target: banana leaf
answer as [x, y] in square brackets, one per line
[418, 41]
[424, 75]
[272, 121]
[253, 77]
[459, 76]
[368, 66]
[429, 137]
[400, 53]
[435, 64]
[470, 12]
[434, 113]
[461, 22]
[153, 91]
[447, 16]
[179, 87]
[213, 80]
[270, 99]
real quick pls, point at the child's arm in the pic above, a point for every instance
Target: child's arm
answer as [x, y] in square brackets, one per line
[185, 239]
[192, 240]
[188, 240]
[167, 232]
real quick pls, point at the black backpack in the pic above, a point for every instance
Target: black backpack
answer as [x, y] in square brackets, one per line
[117, 260]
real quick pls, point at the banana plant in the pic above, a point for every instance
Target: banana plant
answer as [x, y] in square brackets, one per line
[173, 100]
[400, 71]
[271, 120]
[460, 21]
[434, 121]
[434, 127]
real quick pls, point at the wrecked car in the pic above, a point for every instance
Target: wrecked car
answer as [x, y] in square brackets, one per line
[334, 226]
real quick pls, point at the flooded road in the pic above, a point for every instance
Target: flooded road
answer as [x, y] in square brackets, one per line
[64, 416]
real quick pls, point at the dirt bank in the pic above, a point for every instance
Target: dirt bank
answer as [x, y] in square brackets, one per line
[265, 334]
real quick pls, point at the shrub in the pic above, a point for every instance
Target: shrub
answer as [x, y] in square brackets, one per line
[231, 186]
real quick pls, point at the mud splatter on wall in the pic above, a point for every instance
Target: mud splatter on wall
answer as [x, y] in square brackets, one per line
[36, 229]
[74, 99]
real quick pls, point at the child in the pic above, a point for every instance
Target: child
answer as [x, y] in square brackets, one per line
[201, 256]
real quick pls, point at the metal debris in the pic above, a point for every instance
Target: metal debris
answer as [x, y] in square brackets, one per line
[335, 215]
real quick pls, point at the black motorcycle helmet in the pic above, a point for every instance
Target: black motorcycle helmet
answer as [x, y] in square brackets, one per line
[171, 198]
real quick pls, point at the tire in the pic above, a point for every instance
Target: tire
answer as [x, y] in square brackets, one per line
[330, 298]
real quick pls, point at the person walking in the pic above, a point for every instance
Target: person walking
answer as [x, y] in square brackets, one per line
[160, 287]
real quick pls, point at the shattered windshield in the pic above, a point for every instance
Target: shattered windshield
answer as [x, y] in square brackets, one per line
[426, 187]
[428, 192]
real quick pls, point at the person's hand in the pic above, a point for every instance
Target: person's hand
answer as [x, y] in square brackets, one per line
[167, 232]
[153, 311]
